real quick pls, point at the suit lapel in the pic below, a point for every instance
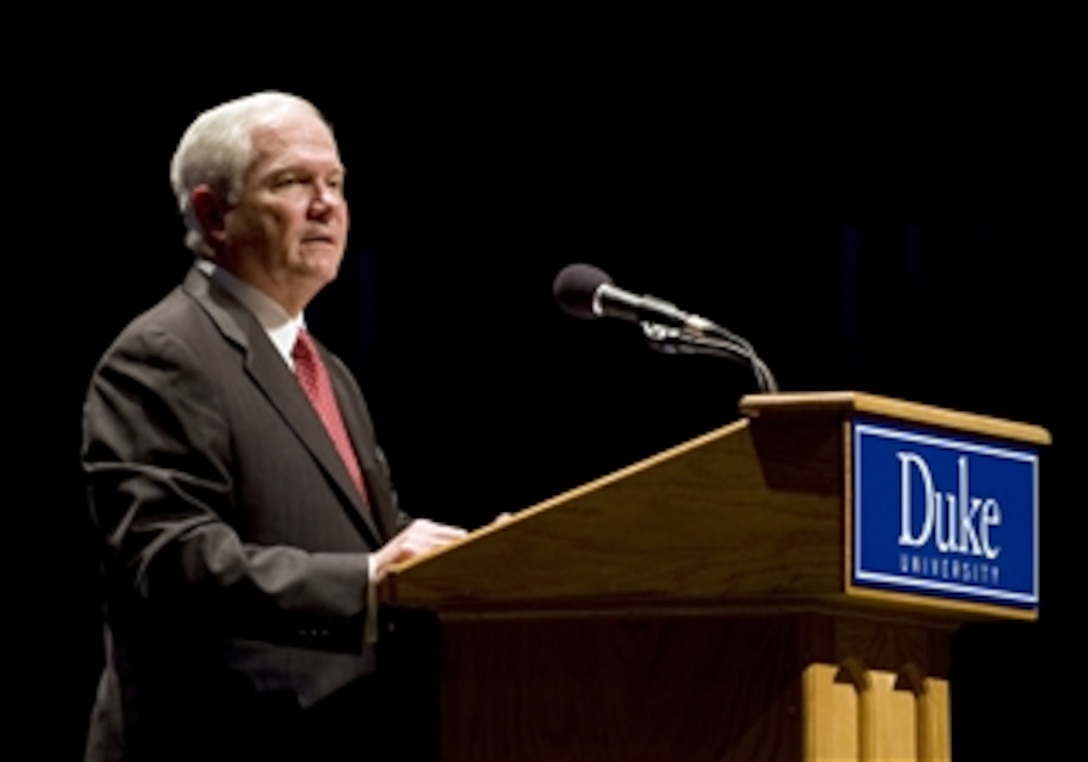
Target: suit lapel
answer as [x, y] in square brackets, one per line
[351, 408]
[274, 379]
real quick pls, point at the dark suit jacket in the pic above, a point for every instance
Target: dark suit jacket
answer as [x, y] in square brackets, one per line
[234, 542]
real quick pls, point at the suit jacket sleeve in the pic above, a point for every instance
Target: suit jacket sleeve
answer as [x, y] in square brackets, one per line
[160, 455]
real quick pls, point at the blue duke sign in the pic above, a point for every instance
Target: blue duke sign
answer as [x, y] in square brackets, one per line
[947, 517]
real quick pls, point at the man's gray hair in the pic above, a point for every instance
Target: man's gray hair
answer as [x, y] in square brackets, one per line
[217, 151]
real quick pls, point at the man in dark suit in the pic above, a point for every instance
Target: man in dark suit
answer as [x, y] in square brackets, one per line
[247, 512]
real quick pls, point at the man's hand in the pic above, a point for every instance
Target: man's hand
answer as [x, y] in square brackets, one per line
[417, 539]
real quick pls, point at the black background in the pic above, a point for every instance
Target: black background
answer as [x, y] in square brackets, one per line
[901, 215]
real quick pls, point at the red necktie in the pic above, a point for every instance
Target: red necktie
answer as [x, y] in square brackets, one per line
[314, 378]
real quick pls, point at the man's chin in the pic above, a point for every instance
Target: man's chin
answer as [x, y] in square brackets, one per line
[321, 262]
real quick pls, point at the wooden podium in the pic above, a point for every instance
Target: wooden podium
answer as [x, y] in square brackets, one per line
[697, 605]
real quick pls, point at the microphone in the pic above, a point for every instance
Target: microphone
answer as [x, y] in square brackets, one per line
[587, 292]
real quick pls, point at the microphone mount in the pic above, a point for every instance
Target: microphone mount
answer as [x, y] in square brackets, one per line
[672, 340]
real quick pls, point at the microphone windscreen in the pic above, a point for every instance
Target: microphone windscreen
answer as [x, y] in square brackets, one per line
[574, 289]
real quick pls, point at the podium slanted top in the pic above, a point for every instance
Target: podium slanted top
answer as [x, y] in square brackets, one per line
[764, 513]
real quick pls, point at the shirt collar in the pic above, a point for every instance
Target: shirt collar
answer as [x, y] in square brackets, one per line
[281, 328]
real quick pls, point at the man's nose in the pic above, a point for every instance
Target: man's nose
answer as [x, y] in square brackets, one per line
[326, 199]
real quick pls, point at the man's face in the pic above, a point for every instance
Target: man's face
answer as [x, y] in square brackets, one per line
[287, 231]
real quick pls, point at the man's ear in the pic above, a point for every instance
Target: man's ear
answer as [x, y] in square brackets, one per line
[210, 211]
